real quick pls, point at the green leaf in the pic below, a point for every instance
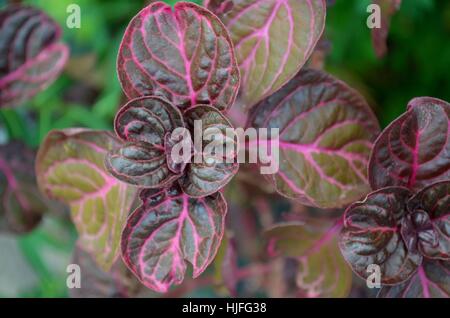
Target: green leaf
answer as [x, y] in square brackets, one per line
[70, 168]
[322, 270]
[272, 39]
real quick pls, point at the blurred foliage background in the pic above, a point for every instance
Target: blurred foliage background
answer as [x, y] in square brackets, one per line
[88, 94]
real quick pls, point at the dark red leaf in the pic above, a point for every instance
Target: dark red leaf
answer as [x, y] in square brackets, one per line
[145, 123]
[170, 229]
[432, 280]
[414, 150]
[210, 171]
[30, 56]
[184, 55]
[326, 132]
[371, 235]
[147, 119]
[434, 201]
[172, 140]
[140, 164]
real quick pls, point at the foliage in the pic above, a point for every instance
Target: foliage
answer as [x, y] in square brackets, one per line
[403, 226]
[143, 220]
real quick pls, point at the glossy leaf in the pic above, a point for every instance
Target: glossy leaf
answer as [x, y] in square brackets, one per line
[371, 235]
[184, 55]
[211, 171]
[380, 35]
[170, 229]
[145, 124]
[326, 131]
[322, 270]
[70, 168]
[434, 200]
[140, 164]
[414, 150]
[273, 39]
[173, 140]
[432, 280]
[147, 119]
[30, 56]
[21, 207]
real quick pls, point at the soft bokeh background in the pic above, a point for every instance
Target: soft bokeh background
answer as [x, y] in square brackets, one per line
[88, 94]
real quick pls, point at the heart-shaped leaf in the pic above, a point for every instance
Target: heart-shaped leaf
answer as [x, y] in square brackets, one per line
[70, 168]
[169, 229]
[371, 235]
[322, 270]
[184, 55]
[213, 166]
[30, 57]
[326, 131]
[414, 150]
[22, 207]
[145, 124]
[273, 39]
[432, 280]
[435, 202]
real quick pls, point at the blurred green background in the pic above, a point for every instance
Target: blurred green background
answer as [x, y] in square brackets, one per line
[88, 94]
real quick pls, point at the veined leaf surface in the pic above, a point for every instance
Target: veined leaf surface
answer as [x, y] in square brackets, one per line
[326, 132]
[273, 39]
[70, 168]
[184, 55]
[30, 56]
[170, 229]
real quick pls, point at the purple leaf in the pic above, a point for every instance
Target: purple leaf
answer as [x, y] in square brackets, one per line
[172, 140]
[145, 124]
[432, 280]
[326, 134]
[184, 55]
[22, 206]
[434, 201]
[371, 235]
[322, 271]
[170, 229]
[30, 56]
[147, 119]
[273, 39]
[414, 150]
[140, 164]
[380, 35]
[211, 171]
[70, 168]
